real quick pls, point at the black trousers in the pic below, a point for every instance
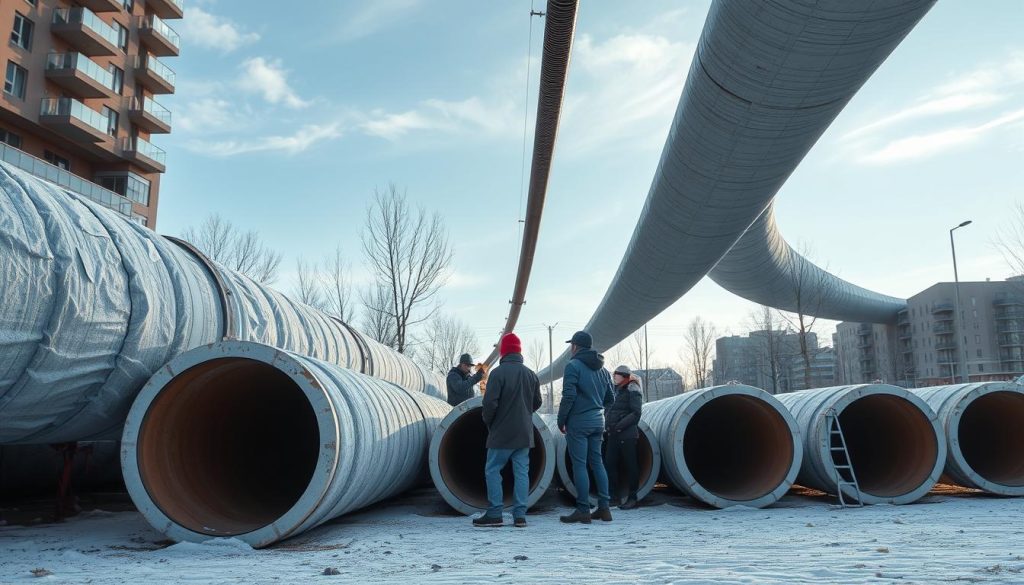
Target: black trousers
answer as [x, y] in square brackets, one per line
[620, 450]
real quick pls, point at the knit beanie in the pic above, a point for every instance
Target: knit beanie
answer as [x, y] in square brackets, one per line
[510, 344]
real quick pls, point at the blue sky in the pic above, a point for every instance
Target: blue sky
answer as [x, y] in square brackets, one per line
[286, 123]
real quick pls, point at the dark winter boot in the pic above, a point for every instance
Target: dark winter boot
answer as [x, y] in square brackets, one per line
[520, 523]
[488, 521]
[576, 516]
[630, 504]
[602, 514]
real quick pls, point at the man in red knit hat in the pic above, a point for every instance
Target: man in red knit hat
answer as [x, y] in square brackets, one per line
[513, 395]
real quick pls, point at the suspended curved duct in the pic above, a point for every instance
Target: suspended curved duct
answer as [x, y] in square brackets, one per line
[767, 80]
[894, 439]
[458, 452]
[240, 439]
[726, 445]
[763, 268]
[648, 463]
[984, 427]
[105, 303]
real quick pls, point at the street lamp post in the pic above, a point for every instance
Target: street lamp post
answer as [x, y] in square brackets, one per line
[959, 312]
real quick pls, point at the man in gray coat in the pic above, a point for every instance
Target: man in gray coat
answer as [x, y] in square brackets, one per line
[513, 395]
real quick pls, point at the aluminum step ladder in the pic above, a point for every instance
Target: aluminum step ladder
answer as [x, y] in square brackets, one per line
[841, 460]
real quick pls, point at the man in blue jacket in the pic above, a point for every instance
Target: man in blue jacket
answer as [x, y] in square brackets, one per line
[586, 392]
[460, 383]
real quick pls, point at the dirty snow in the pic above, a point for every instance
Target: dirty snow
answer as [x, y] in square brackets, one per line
[415, 539]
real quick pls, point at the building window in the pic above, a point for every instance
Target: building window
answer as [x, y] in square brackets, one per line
[122, 36]
[130, 185]
[118, 74]
[8, 137]
[32, 2]
[57, 160]
[21, 34]
[15, 81]
[129, 5]
[981, 367]
[112, 118]
[977, 339]
[974, 302]
[979, 353]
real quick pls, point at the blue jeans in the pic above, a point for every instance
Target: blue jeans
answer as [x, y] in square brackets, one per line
[584, 446]
[496, 461]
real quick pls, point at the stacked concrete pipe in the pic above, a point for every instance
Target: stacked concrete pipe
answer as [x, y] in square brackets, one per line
[984, 429]
[458, 454]
[648, 462]
[726, 445]
[240, 439]
[894, 439]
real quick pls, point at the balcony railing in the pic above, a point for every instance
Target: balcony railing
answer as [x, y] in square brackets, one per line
[170, 38]
[151, 107]
[156, 67]
[942, 327]
[86, 17]
[71, 107]
[69, 181]
[943, 308]
[146, 148]
[1009, 314]
[945, 345]
[66, 61]
[1010, 327]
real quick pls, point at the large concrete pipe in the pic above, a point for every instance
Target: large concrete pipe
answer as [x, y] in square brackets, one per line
[726, 445]
[242, 439]
[458, 453]
[104, 303]
[984, 426]
[648, 463]
[894, 439]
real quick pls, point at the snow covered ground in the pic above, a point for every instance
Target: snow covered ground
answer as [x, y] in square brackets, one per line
[945, 538]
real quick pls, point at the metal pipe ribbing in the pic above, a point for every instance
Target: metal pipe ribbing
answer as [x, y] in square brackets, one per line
[894, 439]
[104, 303]
[984, 427]
[242, 439]
[458, 452]
[648, 463]
[726, 445]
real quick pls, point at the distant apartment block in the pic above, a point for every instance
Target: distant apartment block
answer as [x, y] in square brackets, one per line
[79, 106]
[772, 361]
[928, 346]
[660, 383]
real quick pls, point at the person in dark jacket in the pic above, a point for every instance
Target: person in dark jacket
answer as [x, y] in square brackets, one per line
[620, 422]
[586, 392]
[513, 395]
[460, 383]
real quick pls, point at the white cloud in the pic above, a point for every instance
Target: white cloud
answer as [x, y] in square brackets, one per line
[931, 107]
[207, 115]
[372, 17]
[469, 116]
[926, 145]
[303, 139]
[270, 80]
[214, 32]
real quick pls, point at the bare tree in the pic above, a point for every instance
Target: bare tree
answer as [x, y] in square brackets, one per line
[537, 353]
[1009, 241]
[768, 361]
[809, 287]
[308, 286]
[337, 284]
[378, 321]
[244, 252]
[700, 346]
[640, 353]
[409, 254]
[448, 337]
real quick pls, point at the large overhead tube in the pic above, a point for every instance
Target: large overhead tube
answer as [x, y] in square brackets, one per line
[458, 452]
[984, 426]
[103, 303]
[894, 439]
[648, 462]
[240, 439]
[726, 445]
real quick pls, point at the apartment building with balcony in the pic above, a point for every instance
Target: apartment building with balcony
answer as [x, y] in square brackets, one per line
[81, 100]
[929, 343]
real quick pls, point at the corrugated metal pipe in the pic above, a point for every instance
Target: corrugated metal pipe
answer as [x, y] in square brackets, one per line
[648, 462]
[894, 439]
[240, 439]
[984, 426]
[458, 453]
[726, 445]
[104, 303]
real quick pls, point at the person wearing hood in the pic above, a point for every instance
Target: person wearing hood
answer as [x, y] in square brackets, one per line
[513, 395]
[586, 392]
[460, 383]
[621, 424]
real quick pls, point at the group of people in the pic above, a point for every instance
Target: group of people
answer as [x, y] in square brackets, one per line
[598, 409]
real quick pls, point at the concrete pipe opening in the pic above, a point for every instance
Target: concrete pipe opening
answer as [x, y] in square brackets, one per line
[645, 463]
[228, 446]
[739, 447]
[892, 443]
[991, 437]
[461, 456]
